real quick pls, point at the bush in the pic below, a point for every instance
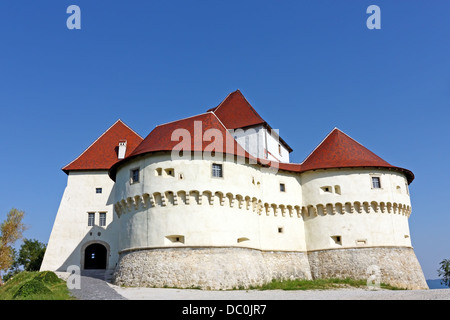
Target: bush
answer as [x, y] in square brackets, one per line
[31, 287]
[47, 277]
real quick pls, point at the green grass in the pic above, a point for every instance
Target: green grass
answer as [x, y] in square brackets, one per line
[35, 286]
[318, 284]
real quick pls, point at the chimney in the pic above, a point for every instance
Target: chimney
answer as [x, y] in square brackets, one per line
[122, 149]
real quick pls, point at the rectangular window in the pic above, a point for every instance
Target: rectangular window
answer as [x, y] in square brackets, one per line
[279, 149]
[98, 190]
[376, 183]
[134, 176]
[91, 219]
[102, 219]
[217, 170]
[282, 187]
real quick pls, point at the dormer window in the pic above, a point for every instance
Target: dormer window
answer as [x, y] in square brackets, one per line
[122, 149]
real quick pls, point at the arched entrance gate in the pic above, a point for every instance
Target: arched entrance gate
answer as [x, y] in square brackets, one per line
[95, 256]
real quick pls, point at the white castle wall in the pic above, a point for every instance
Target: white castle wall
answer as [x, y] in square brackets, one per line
[257, 139]
[71, 233]
[359, 214]
[245, 204]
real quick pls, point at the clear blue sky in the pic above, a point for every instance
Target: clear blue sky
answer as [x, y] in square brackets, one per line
[306, 67]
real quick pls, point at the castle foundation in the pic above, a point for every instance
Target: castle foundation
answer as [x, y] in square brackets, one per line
[208, 268]
[397, 266]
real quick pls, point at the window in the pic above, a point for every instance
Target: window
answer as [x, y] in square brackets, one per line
[282, 187]
[134, 176]
[98, 190]
[337, 240]
[102, 219]
[170, 172]
[217, 170]
[279, 149]
[280, 229]
[327, 189]
[376, 183]
[91, 219]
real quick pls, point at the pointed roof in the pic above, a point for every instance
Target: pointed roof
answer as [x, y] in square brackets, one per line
[189, 134]
[102, 153]
[236, 112]
[338, 150]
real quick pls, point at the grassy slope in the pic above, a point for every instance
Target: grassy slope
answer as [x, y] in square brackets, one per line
[319, 284]
[35, 286]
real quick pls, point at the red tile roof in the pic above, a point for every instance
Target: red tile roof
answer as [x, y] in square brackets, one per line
[197, 129]
[236, 112]
[338, 150]
[102, 153]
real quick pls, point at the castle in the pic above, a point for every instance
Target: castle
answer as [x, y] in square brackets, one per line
[212, 201]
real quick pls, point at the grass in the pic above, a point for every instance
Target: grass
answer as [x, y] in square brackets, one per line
[318, 284]
[35, 286]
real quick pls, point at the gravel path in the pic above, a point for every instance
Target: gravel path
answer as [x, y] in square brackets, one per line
[95, 288]
[336, 294]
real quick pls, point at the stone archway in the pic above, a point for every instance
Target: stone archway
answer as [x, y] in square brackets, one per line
[95, 256]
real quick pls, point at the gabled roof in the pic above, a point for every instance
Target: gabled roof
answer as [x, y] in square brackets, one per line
[200, 131]
[236, 112]
[102, 153]
[338, 150]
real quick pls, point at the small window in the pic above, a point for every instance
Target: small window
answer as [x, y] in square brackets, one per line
[327, 189]
[280, 229]
[279, 149]
[134, 176]
[337, 189]
[170, 172]
[98, 190]
[282, 187]
[174, 239]
[376, 183]
[337, 239]
[217, 170]
[91, 219]
[102, 219]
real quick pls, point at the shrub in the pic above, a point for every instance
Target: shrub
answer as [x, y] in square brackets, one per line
[31, 287]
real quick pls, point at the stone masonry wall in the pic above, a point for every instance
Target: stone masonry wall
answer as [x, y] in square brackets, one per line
[228, 268]
[397, 266]
[208, 268]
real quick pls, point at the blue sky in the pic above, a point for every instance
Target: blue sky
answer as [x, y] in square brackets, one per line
[305, 66]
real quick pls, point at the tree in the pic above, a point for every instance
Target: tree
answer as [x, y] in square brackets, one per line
[444, 272]
[11, 230]
[31, 254]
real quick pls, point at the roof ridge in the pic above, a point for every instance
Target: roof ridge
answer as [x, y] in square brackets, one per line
[163, 124]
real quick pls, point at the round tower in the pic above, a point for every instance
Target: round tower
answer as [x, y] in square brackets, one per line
[356, 209]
